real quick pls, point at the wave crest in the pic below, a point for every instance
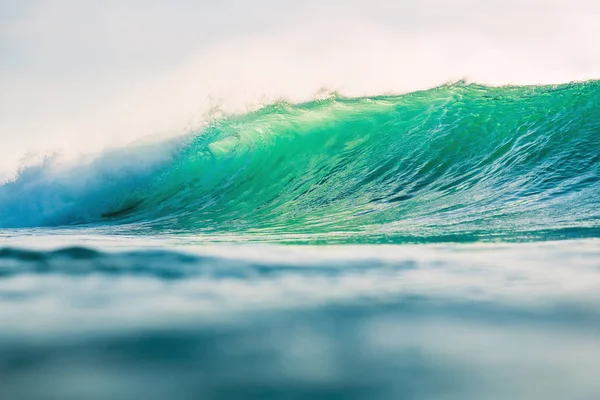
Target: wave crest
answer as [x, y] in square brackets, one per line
[457, 162]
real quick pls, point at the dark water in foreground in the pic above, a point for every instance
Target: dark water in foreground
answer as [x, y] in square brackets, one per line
[476, 321]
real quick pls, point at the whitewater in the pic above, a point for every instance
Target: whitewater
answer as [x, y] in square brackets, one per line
[374, 202]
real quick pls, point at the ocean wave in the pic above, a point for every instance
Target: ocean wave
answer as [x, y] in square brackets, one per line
[457, 162]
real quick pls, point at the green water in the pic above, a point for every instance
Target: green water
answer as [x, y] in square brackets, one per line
[460, 162]
[116, 283]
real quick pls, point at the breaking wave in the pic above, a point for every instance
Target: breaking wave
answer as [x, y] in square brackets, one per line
[459, 162]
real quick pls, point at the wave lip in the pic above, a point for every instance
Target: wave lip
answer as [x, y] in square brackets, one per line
[457, 162]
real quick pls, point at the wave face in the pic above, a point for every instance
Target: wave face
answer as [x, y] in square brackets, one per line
[460, 162]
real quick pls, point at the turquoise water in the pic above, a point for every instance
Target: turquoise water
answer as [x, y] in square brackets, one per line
[442, 244]
[459, 162]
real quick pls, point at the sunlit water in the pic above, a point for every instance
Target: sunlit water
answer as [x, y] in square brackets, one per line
[443, 244]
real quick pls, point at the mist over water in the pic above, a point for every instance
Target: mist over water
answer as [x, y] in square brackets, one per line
[77, 79]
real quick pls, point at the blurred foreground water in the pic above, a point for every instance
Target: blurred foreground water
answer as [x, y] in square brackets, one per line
[255, 321]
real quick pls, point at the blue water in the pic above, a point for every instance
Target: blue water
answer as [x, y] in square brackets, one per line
[442, 244]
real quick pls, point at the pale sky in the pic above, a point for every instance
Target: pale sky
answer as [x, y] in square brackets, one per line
[79, 76]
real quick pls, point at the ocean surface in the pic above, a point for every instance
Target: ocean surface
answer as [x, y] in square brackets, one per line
[440, 244]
